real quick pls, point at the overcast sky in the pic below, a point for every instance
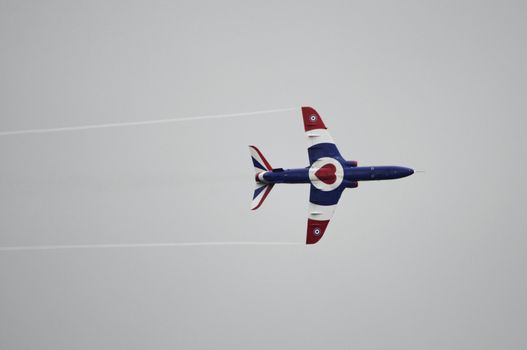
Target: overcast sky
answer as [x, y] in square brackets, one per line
[433, 261]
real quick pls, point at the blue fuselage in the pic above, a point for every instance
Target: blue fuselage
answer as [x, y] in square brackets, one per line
[351, 174]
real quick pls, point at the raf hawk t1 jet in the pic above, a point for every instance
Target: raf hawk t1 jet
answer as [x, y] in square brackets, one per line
[328, 175]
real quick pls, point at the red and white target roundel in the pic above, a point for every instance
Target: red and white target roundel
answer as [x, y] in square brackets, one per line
[326, 174]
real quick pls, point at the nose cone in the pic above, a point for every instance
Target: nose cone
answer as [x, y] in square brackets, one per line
[407, 172]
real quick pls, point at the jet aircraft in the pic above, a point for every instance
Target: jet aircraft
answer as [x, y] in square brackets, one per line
[328, 174]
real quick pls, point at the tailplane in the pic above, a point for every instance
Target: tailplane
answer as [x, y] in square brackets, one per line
[262, 189]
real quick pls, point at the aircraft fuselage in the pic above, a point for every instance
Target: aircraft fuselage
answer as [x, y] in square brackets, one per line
[350, 176]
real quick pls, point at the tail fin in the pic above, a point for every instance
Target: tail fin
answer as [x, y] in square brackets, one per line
[262, 189]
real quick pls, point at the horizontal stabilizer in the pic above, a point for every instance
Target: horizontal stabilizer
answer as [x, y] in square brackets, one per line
[259, 161]
[260, 193]
[261, 165]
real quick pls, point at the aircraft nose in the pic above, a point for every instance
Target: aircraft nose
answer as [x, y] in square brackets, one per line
[404, 172]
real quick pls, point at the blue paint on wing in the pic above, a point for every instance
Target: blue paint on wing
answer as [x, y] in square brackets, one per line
[319, 197]
[320, 150]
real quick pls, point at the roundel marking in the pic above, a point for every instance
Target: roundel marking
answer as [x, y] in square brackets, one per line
[316, 231]
[326, 174]
[313, 118]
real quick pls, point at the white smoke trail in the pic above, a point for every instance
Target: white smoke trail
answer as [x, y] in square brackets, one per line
[146, 122]
[140, 245]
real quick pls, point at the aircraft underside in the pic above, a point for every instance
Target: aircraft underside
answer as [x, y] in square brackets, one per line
[328, 174]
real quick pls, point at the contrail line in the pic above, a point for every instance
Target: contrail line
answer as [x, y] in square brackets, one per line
[146, 122]
[140, 245]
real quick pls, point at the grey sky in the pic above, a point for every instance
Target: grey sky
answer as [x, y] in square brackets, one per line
[434, 261]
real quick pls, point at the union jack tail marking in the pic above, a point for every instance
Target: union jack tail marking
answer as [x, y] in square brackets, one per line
[261, 165]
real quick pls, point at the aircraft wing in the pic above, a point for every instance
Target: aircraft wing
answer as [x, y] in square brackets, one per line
[326, 174]
[322, 205]
[321, 143]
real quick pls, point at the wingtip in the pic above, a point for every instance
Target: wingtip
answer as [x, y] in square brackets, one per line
[312, 119]
[315, 230]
